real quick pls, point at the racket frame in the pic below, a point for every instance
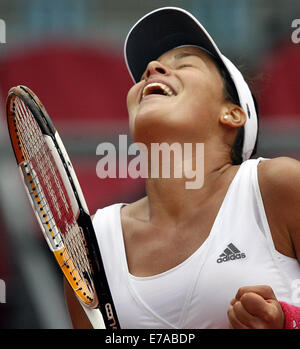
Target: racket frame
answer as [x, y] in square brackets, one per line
[102, 297]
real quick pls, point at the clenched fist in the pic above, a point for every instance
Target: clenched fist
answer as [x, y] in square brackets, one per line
[255, 307]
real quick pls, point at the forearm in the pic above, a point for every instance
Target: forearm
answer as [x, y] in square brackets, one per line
[77, 315]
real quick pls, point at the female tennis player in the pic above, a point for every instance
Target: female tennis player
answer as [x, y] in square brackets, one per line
[225, 255]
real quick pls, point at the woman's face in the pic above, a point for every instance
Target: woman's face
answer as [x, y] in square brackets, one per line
[179, 98]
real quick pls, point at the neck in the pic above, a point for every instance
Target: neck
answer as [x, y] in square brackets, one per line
[171, 199]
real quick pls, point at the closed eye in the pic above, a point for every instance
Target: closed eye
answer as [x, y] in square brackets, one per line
[188, 60]
[184, 66]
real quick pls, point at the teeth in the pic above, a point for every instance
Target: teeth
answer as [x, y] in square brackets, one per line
[166, 90]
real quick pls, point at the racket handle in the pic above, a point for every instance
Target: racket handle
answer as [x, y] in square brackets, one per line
[95, 317]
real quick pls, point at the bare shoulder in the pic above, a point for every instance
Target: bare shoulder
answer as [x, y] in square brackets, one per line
[281, 164]
[281, 174]
[279, 181]
[133, 218]
[135, 210]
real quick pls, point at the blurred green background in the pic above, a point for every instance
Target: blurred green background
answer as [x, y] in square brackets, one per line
[70, 53]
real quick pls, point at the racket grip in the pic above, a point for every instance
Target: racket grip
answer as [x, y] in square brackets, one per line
[95, 317]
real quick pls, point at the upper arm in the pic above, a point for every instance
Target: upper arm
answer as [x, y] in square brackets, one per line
[280, 186]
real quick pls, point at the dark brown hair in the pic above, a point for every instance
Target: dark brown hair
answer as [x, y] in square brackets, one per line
[231, 95]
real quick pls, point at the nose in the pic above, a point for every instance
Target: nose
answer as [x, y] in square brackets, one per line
[155, 67]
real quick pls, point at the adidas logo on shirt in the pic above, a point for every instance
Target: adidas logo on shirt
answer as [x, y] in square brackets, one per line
[230, 253]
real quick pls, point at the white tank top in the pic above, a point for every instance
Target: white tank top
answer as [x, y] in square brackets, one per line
[239, 251]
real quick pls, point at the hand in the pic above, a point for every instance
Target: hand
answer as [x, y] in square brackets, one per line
[255, 307]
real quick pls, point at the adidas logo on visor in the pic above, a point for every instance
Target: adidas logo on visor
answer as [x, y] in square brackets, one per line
[230, 253]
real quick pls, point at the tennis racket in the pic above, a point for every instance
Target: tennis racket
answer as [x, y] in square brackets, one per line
[57, 201]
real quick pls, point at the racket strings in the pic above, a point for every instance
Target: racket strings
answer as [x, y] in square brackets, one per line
[50, 197]
[38, 153]
[19, 135]
[31, 143]
[73, 243]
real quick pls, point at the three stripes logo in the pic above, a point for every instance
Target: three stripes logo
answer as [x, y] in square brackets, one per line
[230, 253]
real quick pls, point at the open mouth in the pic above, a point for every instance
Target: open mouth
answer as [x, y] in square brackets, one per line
[157, 88]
